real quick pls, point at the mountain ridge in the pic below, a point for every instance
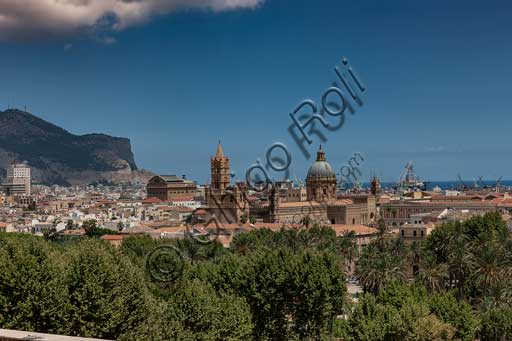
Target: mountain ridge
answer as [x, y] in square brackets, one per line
[58, 156]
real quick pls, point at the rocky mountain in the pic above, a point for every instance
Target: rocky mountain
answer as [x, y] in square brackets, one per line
[57, 156]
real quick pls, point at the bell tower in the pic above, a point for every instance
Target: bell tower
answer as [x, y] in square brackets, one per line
[220, 170]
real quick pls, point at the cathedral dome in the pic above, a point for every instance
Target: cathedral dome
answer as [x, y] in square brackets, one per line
[321, 168]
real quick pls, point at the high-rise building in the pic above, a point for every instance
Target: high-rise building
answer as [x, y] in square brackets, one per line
[18, 179]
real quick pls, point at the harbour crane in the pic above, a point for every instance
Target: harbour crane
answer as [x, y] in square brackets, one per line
[481, 181]
[498, 184]
[462, 184]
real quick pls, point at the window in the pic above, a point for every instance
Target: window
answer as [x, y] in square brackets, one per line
[403, 232]
[422, 233]
[414, 233]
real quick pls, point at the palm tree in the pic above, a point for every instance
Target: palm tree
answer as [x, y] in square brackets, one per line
[381, 234]
[460, 259]
[490, 267]
[243, 243]
[397, 248]
[306, 221]
[347, 247]
[432, 274]
[414, 254]
[192, 249]
[377, 269]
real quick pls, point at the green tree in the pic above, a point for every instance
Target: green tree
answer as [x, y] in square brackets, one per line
[210, 315]
[92, 230]
[89, 226]
[430, 328]
[105, 292]
[69, 224]
[497, 325]
[458, 314]
[347, 247]
[291, 295]
[137, 247]
[460, 259]
[244, 243]
[431, 274]
[33, 295]
[376, 269]
[50, 233]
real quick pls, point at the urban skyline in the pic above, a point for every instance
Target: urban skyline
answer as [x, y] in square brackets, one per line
[164, 84]
[255, 170]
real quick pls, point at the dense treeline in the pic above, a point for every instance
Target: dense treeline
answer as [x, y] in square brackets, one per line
[456, 284]
[286, 285]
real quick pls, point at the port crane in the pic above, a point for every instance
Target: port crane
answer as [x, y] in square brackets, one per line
[462, 184]
[498, 184]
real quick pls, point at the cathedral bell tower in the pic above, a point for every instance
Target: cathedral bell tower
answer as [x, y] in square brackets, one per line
[219, 170]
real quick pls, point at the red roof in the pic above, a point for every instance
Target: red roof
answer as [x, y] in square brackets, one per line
[182, 198]
[152, 200]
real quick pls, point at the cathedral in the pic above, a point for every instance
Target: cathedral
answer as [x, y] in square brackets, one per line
[233, 203]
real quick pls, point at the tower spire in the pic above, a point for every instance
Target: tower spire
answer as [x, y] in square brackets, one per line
[220, 152]
[320, 155]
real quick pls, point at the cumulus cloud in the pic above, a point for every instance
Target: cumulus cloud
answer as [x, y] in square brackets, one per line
[29, 19]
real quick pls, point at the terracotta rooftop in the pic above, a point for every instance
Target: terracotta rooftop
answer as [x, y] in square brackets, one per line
[182, 198]
[152, 200]
[169, 229]
[315, 203]
[358, 229]
[200, 212]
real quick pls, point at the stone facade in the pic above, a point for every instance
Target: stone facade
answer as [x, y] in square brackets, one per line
[169, 187]
[321, 180]
[227, 203]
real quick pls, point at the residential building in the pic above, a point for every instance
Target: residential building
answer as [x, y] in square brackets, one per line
[18, 180]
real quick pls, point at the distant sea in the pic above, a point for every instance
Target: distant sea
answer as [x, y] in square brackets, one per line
[450, 184]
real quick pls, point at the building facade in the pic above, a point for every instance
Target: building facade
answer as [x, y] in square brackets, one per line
[230, 204]
[321, 180]
[18, 180]
[400, 212]
[169, 187]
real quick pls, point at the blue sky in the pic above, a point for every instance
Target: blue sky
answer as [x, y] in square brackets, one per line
[438, 77]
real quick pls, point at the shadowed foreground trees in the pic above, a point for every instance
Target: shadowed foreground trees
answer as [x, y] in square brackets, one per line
[286, 285]
[290, 290]
[89, 289]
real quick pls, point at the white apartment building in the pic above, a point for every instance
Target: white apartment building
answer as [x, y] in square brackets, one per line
[18, 179]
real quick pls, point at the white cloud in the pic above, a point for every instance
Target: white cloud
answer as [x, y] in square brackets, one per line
[30, 19]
